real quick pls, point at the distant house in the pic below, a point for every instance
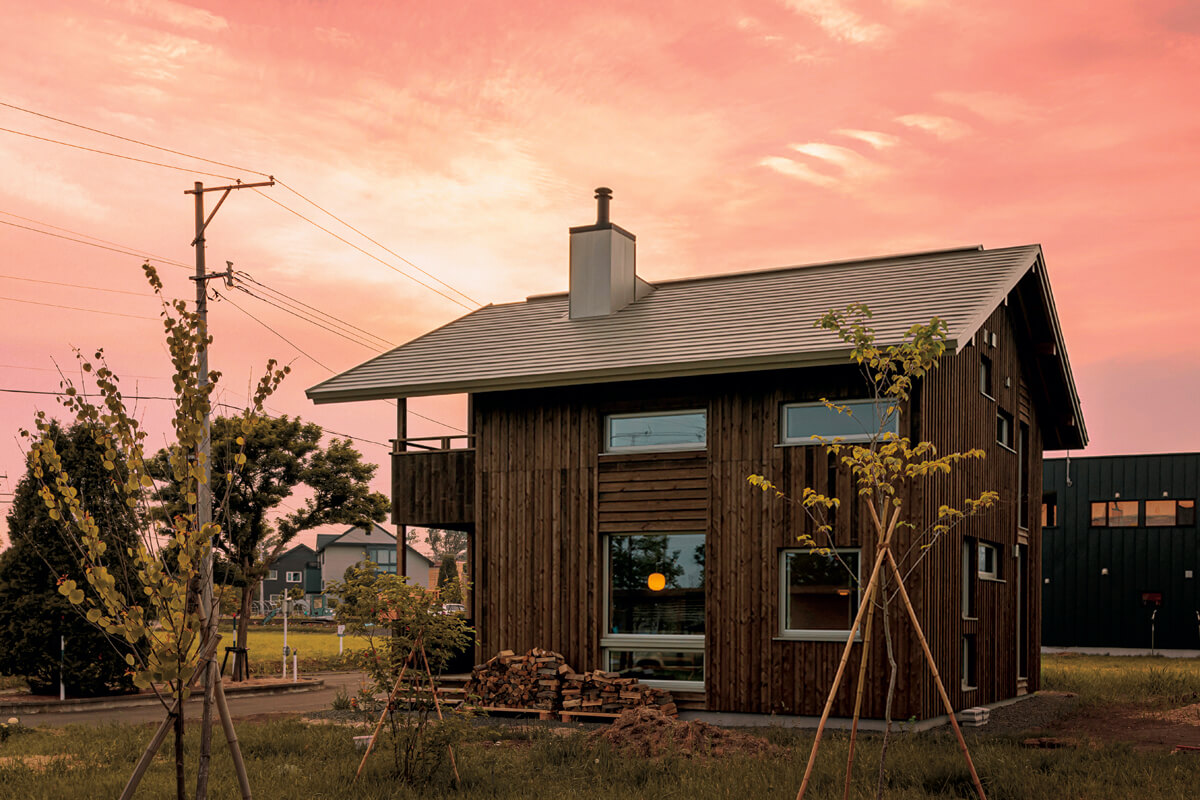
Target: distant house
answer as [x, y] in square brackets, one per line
[296, 568]
[340, 547]
[1121, 551]
[611, 428]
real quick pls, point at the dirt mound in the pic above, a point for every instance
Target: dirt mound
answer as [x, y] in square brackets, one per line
[650, 733]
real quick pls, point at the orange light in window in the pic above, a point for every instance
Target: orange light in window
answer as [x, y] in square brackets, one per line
[844, 592]
[657, 581]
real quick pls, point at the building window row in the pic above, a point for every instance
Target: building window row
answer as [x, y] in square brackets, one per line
[1143, 513]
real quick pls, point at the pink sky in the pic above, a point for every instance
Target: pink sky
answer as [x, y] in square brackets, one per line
[735, 135]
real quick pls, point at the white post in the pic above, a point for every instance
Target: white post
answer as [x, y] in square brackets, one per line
[62, 658]
[295, 665]
[341, 629]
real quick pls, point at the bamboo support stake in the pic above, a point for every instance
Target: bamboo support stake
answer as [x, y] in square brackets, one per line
[912, 615]
[438, 706]
[235, 749]
[383, 716]
[837, 678]
[210, 672]
[862, 677]
[159, 737]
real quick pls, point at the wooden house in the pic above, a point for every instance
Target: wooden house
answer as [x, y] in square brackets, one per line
[612, 429]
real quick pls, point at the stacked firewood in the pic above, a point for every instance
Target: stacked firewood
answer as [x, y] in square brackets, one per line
[541, 679]
[508, 680]
[609, 693]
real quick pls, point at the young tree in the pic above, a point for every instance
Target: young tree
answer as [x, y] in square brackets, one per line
[162, 612]
[281, 454]
[448, 584]
[883, 469]
[36, 617]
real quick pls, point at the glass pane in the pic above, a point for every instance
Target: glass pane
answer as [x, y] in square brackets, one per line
[1186, 513]
[1123, 514]
[656, 583]
[1099, 515]
[1160, 513]
[987, 559]
[659, 430]
[658, 665]
[821, 591]
[864, 418]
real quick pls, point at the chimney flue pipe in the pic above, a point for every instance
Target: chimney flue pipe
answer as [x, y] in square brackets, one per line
[603, 197]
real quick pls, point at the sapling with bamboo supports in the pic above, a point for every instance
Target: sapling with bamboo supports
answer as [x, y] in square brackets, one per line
[883, 466]
[160, 627]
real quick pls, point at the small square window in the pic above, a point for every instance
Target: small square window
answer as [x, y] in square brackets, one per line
[989, 561]
[294, 577]
[1004, 429]
[273, 575]
[1050, 510]
[985, 377]
[820, 593]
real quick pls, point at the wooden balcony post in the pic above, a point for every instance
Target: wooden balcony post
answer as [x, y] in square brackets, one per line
[401, 530]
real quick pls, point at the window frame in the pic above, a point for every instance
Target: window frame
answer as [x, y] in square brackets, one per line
[1009, 424]
[1178, 503]
[986, 378]
[786, 439]
[1108, 515]
[995, 574]
[653, 448]
[272, 574]
[685, 642]
[1050, 509]
[287, 576]
[814, 635]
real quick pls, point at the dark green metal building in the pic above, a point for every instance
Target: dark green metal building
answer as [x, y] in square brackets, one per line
[1121, 551]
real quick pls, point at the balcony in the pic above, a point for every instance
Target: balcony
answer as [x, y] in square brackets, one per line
[433, 482]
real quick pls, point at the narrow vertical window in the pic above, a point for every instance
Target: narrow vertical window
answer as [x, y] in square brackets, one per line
[969, 677]
[1004, 429]
[968, 579]
[1023, 476]
[1050, 510]
[985, 377]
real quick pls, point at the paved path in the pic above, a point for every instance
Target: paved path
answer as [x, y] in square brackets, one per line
[239, 707]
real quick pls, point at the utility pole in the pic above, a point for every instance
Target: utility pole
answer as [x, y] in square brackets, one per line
[204, 491]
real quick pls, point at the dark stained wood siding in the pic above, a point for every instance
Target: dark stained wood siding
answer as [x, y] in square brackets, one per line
[435, 489]
[546, 496]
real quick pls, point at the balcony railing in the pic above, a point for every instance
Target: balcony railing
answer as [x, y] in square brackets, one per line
[433, 443]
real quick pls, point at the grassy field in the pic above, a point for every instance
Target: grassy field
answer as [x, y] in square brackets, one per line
[289, 759]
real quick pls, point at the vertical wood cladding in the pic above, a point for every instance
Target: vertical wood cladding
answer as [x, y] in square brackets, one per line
[546, 496]
[434, 489]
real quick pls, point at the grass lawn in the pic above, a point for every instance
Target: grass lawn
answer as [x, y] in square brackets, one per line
[318, 648]
[290, 758]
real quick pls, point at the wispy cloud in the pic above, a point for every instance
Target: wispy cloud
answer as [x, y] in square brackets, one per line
[854, 166]
[944, 128]
[177, 14]
[877, 139]
[992, 106]
[802, 172]
[839, 21]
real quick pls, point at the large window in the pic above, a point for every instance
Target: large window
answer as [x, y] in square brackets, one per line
[1168, 513]
[849, 420]
[384, 558]
[655, 616]
[1115, 514]
[820, 593]
[671, 430]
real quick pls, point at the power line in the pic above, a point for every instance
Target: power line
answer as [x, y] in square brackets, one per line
[52, 369]
[375, 242]
[245, 276]
[156, 257]
[77, 308]
[325, 366]
[93, 244]
[364, 252]
[323, 428]
[348, 337]
[134, 141]
[118, 155]
[77, 286]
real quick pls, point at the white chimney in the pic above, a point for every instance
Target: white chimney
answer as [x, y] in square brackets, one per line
[603, 278]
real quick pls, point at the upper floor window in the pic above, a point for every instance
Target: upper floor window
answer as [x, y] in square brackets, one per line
[1050, 510]
[1004, 429]
[989, 561]
[848, 420]
[294, 577]
[273, 575]
[668, 430]
[985, 376]
[1115, 514]
[1167, 513]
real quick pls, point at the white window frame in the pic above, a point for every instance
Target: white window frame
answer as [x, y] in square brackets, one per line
[785, 438]
[798, 635]
[289, 579]
[689, 642]
[654, 448]
[994, 573]
[273, 575]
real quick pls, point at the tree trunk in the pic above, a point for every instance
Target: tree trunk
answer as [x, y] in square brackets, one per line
[180, 790]
[241, 661]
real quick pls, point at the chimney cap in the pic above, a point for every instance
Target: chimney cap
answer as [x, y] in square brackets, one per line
[603, 196]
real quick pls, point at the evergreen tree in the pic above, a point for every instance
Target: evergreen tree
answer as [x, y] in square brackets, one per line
[42, 552]
[448, 584]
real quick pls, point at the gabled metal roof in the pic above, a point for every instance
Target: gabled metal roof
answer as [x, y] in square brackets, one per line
[697, 326]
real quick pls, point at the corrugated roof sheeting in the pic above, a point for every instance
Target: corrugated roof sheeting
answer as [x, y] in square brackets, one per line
[693, 326]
